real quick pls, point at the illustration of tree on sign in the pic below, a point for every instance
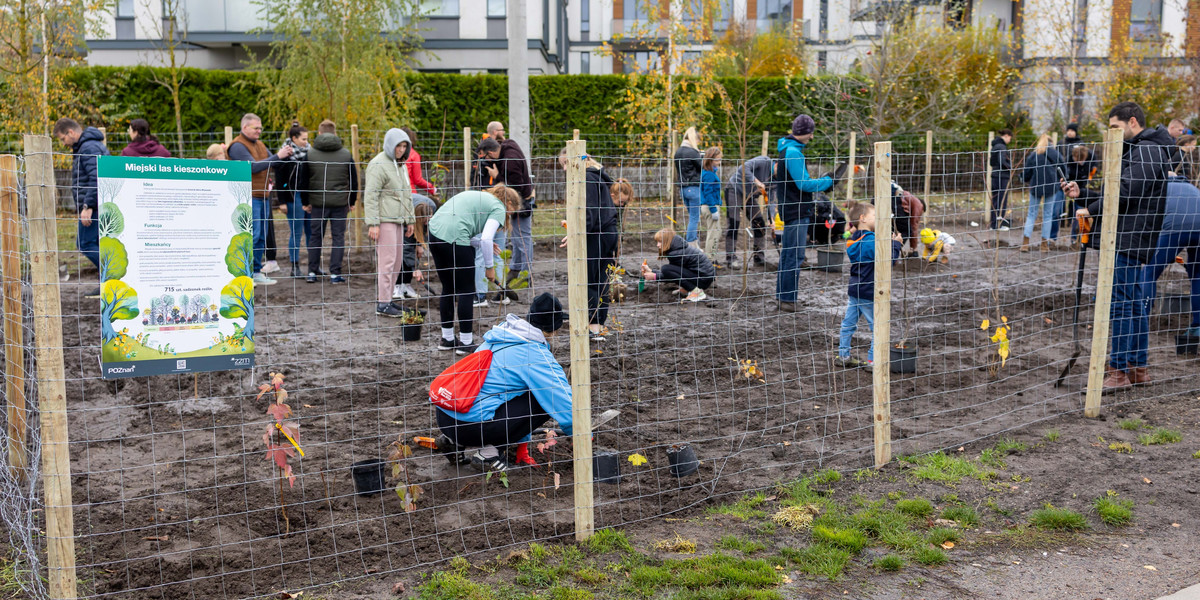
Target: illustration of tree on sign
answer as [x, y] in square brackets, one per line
[118, 302]
[239, 256]
[241, 191]
[237, 302]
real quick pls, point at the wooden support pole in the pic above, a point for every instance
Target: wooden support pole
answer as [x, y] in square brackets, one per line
[575, 134]
[766, 146]
[1053, 139]
[356, 217]
[850, 171]
[52, 392]
[103, 135]
[228, 135]
[1104, 281]
[466, 158]
[987, 183]
[14, 334]
[671, 180]
[928, 165]
[581, 373]
[883, 304]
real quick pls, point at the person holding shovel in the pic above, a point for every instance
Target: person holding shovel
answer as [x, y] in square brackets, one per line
[746, 195]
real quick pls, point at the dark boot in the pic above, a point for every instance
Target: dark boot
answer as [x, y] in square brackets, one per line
[1139, 376]
[1115, 380]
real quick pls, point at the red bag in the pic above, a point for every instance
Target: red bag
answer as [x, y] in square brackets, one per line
[456, 388]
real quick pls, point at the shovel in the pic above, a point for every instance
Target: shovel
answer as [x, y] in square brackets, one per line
[597, 421]
[1085, 227]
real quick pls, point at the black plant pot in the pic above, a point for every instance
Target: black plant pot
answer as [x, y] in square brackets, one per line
[682, 458]
[903, 360]
[830, 260]
[368, 476]
[1187, 344]
[411, 332]
[1175, 304]
[606, 466]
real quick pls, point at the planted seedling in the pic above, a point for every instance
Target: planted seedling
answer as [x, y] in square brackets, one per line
[407, 491]
[281, 438]
[411, 317]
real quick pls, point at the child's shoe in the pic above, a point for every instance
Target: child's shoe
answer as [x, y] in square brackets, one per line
[696, 295]
[849, 362]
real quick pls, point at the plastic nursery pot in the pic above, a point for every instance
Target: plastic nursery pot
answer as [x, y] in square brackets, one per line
[903, 359]
[682, 458]
[606, 466]
[368, 476]
[1187, 344]
[1175, 304]
[830, 260]
[411, 332]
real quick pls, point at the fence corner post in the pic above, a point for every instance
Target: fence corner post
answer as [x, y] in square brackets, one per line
[14, 334]
[581, 374]
[881, 372]
[1113, 141]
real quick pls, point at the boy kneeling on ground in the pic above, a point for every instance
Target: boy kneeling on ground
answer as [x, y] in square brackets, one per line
[524, 386]
[935, 243]
[861, 250]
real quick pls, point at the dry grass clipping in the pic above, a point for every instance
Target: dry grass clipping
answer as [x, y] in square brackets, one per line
[797, 517]
[678, 545]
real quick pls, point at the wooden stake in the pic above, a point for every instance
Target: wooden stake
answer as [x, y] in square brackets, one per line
[103, 135]
[466, 158]
[1054, 139]
[987, 183]
[766, 147]
[52, 393]
[671, 180]
[1108, 257]
[575, 134]
[581, 374]
[14, 334]
[883, 304]
[850, 178]
[356, 218]
[228, 135]
[928, 164]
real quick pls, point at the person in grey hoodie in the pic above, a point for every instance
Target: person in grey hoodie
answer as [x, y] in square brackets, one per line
[329, 186]
[86, 145]
[388, 213]
[747, 184]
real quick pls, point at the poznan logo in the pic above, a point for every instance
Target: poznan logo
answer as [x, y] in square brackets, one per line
[121, 370]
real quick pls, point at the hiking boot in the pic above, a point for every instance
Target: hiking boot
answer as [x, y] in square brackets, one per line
[786, 307]
[445, 344]
[1115, 380]
[1139, 376]
[1045, 246]
[849, 362]
[734, 264]
[387, 309]
[260, 279]
[455, 454]
[696, 295]
[465, 349]
[1024, 244]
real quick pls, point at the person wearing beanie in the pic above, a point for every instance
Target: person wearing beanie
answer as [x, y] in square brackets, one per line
[794, 190]
[524, 388]
[935, 243]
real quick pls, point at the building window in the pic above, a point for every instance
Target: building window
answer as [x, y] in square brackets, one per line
[440, 8]
[1077, 98]
[639, 62]
[822, 61]
[585, 18]
[496, 9]
[585, 63]
[1145, 19]
[775, 12]
[639, 10]
[125, 9]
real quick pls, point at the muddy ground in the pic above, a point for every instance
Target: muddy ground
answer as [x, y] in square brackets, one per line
[175, 500]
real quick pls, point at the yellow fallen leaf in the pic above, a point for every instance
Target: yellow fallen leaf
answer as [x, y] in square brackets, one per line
[985, 325]
[1150, 568]
[948, 545]
[1175, 525]
[1147, 480]
[637, 460]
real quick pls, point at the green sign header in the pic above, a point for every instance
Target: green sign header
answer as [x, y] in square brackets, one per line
[172, 168]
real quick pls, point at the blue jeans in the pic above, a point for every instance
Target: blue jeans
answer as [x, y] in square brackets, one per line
[854, 308]
[297, 229]
[87, 239]
[791, 258]
[1059, 200]
[481, 286]
[1129, 314]
[522, 242]
[262, 215]
[1046, 205]
[1169, 245]
[691, 199]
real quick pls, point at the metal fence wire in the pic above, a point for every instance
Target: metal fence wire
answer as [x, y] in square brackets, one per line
[717, 393]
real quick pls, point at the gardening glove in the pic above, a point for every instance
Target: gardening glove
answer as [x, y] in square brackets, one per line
[523, 457]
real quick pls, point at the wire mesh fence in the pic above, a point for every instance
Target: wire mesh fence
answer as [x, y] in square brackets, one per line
[726, 354]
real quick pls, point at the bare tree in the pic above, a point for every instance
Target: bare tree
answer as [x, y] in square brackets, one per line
[169, 34]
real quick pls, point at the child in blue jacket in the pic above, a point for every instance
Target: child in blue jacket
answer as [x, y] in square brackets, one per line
[861, 250]
[710, 201]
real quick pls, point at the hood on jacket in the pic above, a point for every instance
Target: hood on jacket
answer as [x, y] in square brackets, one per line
[677, 244]
[788, 142]
[148, 146]
[330, 142]
[90, 134]
[393, 138]
[1158, 136]
[998, 141]
[514, 329]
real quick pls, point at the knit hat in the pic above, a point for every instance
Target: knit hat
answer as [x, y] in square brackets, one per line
[1073, 127]
[546, 313]
[803, 125]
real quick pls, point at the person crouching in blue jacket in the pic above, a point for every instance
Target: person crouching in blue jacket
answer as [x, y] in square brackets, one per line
[525, 387]
[861, 250]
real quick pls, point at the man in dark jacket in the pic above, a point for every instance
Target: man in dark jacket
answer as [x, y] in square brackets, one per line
[1001, 164]
[330, 189]
[795, 189]
[85, 145]
[747, 185]
[514, 172]
[1143, 200]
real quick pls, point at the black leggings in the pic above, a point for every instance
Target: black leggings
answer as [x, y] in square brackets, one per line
[456, 270]
[684, 278]
[601, 250]
[513, 421]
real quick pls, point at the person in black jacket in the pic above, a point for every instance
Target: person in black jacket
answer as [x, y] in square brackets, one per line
[687, 171]
[513, 169]
[289, 195]
[329, 186]
[1001, 164]
[1145, 161]
[603, 229]
[86, 145]
[747, 185]
[687, 266]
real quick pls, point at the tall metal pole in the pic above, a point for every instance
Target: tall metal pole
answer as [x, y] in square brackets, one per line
[518, 75]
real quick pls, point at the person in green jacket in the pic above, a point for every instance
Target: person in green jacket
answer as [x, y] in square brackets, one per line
[467, 215]
[388, 213]
[329, 189]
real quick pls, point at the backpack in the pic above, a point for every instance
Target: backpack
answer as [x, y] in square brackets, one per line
[456, 388]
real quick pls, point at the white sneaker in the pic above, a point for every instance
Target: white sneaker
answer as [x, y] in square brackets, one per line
[407, 291]
[270, 267]
[398, 292]
[696, 295]
[480, 303]
[260, 279]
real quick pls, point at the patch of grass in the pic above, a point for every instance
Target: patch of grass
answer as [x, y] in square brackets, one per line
[820, 560]
[733, 542]
[765, 529]
[559, 592]
[864, 474]
[1060, 519]
[609, 540]
[1023, 537]
[1008, 446]
[916, 507]
[589, 576]
[904, 541]
[1196, 454]
[949, 498]
[1113, 511]
[929, 556]
[992, 504]
[721, 570]
[1131, 424]
[536, 570]
[891, 562]
[849, 539]
[826, 477]
[447, 585]
[1160, 435]
[963, 515]
[745, 509]
[800, 493]
[940, 535]
[943, 468]
[727, 593]
[1121, 447]
[1052, 435]
[992, 458]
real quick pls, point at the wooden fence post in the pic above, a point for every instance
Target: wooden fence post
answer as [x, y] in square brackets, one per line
[671, 180]
[987, 183]
[883, 304]
[52, 393]
[575, 134]
[850, 177]
[228, 135]
[356, 216]
[766, 147]
[466, 158]
[928, 165]
[14, 334]
[581, 374]
[1104, 281]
